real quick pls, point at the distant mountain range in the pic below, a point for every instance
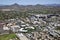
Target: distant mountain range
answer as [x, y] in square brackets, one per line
[52, 5]
[36, 4]
[36, 7]
[1, 5]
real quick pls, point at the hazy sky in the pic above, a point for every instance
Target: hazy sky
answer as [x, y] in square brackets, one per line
[27, 2]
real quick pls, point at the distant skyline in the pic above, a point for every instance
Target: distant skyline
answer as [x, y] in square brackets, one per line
[29, 2]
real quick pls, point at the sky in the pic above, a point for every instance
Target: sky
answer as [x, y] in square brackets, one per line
[29, 2]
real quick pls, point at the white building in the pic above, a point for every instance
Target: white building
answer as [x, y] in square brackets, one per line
[22, 30]
[15, 28]
[6, 28]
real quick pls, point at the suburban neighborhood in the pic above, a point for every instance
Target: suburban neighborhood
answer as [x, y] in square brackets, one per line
[34, 27]
[29, 19]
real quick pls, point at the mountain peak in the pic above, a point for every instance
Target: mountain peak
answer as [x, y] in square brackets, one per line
[15, 4]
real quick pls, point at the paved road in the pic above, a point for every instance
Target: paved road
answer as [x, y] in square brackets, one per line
[21, 36]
